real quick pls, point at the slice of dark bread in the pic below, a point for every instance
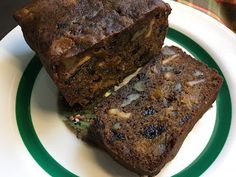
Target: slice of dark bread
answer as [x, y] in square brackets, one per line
[88, 46]
[144, 123]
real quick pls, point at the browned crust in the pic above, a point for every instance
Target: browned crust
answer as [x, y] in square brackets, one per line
[39, 21]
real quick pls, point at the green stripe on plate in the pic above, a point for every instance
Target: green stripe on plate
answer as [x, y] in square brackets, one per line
[52, 167]
[223, 112]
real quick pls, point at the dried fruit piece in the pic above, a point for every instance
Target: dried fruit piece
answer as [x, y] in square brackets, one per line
[161, 29]
[157, 93]
[99, 123]
[61, 25]
[177, 71]
[117, 136]
[184, 119]
[141, 76]
[149, 111]
[167, 68]
[152, 131]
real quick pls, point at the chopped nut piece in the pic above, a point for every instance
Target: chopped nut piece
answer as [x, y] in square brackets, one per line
[116, 126]
[138, 34]
[129, 99]
[169, 76]
[166, 102]
[139, 86]
[141, 146]
[71, 64]
[198, 73]
[60, 46]
[161, 148]
[170, 111]
[119, 113]
[155, 70]
[107, 94]
[150, 28]
[101, 64]
[190, 100]
[178, 87]
[192, 83]
[126, 80]
[167, 51]
[169, 59]
[84, 60]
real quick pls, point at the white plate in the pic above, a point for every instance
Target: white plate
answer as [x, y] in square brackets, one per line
[54, 149]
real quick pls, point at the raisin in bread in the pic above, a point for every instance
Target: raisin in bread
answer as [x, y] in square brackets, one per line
[144, 123]
[88, 46]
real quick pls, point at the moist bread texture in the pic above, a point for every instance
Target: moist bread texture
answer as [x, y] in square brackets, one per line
[144, 123]
[88, 46]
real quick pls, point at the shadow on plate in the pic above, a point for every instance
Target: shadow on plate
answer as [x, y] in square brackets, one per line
[111, 167]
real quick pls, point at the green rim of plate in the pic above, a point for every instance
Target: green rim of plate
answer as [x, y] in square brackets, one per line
[196, 168]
